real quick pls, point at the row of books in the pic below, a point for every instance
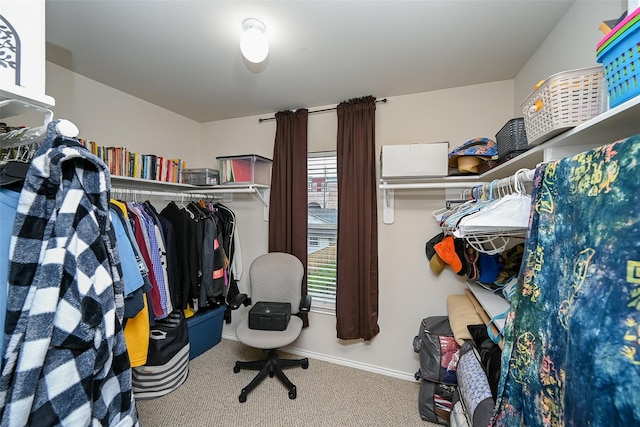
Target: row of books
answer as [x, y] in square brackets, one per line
[123, 162]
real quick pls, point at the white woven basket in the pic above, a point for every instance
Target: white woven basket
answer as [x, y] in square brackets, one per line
[563, 101]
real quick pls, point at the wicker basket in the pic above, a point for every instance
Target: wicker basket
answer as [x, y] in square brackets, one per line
[563, 101]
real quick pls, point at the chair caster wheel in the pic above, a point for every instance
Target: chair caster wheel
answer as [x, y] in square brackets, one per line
[293, 393]
[236, 369]
[305, 365]
[243, 397]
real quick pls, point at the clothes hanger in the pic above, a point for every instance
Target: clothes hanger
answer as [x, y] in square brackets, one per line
[24, 143]
[466, 210]
[184, 207]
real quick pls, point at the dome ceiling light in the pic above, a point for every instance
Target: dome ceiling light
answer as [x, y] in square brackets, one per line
[254, 44]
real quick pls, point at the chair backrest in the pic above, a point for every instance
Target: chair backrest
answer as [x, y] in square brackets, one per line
[277, 277]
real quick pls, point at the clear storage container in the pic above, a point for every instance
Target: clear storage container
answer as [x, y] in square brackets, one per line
[202, 176]
[245, 169]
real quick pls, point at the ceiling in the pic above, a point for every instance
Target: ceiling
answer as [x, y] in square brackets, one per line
[184, 55]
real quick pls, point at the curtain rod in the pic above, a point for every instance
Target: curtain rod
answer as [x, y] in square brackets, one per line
[383, 100]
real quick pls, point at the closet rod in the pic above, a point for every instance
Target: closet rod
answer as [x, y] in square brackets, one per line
[383, 101]
[522, 176]
[134, 193]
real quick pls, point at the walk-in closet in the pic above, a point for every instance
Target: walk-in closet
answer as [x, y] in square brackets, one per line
[411, 213]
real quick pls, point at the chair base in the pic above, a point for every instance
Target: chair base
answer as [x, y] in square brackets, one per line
[271, 366]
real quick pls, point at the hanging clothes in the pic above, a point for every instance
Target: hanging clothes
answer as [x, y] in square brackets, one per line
[8, 207]
[205, 237]
[157, 261]
[139, 229]
[172, 267]
[131, 275]
[65, 305]
[230, 240]
[188, 256]
[136, 328]
[572, 349]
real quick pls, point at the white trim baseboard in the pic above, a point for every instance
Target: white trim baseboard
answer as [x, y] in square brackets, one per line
[340, 361]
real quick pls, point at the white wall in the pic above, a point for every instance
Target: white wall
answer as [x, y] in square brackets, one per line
[113, 118]
[408, 289]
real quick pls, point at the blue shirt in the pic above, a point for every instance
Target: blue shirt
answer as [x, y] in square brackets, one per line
[130, 271]
[8, 206]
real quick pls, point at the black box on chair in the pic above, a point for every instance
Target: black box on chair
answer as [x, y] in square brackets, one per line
[270, 316]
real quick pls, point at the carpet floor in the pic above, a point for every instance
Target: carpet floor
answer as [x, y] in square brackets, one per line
[328, 395]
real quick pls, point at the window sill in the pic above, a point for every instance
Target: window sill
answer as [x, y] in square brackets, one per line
[327, 309]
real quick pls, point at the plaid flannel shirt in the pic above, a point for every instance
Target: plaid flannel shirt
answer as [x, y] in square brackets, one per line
[65, 360]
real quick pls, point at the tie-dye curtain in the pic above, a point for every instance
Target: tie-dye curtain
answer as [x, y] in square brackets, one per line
[572, 340]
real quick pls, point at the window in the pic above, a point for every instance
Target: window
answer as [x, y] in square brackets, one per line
[322, 214]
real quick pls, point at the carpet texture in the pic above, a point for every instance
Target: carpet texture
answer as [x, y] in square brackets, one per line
[328, 395]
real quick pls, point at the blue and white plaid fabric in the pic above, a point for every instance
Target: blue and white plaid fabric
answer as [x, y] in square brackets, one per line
[65, 360]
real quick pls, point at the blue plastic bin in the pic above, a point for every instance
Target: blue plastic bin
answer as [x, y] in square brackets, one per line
[621, 62]
[205, 331]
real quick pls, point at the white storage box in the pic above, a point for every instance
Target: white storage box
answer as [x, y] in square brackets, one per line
[414, 160]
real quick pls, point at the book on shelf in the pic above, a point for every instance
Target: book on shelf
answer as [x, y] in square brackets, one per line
[122, 162]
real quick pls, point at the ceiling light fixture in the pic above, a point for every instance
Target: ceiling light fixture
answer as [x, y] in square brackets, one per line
[254, 44]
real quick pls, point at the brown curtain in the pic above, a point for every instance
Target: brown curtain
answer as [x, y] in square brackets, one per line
[288, 201]
[357, 281]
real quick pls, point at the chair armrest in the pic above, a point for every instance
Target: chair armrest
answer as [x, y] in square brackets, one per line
[237, 301]
[305, 304]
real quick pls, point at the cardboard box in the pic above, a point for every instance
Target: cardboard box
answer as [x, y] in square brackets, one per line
[205, 330]
[414, 160]
[245, 169]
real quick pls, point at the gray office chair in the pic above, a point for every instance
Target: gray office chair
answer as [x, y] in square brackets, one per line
[274, 277]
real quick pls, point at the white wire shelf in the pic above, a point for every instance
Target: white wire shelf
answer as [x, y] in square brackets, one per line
[174, 190]
[612, 125]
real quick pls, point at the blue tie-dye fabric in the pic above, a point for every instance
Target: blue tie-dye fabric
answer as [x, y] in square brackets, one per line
[572, 340]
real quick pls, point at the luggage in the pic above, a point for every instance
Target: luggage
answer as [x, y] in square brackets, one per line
[475, 392]
[438, 350]
[435, 401]
[439, 353]
[270, 316]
